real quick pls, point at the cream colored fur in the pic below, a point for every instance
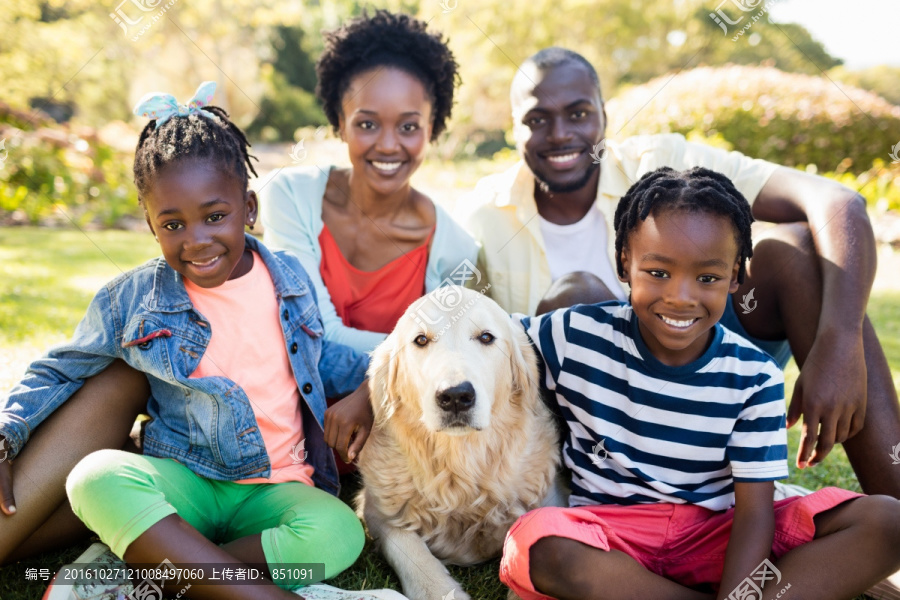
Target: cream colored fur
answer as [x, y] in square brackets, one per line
[441, 487]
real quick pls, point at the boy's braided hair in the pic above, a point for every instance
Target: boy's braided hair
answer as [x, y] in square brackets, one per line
[212, 137]
[387, 40]
[696, 190]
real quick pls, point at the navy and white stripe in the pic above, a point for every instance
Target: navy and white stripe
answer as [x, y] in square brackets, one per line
[672, 434]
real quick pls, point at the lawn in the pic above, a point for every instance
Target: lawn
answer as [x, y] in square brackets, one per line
[49, 276]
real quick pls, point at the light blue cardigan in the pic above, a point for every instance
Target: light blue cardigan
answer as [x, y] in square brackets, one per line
[291, 212]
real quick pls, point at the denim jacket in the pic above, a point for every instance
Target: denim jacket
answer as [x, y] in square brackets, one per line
[146, 318]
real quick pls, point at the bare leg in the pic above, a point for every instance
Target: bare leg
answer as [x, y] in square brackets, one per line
[174, 539]
[61, 529]
[786, 275]
[569, 570]
[98, 416]
[857, 544]
[579, 287]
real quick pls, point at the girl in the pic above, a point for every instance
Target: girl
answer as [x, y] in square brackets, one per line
[229, 336]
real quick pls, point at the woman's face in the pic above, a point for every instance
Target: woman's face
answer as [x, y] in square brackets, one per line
[386, 122]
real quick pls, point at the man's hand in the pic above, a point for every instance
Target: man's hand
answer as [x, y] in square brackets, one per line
[830, 393]
[7, 501]
[349, 422]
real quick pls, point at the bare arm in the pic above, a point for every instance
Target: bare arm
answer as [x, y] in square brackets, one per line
[831, 392]
[751, 533]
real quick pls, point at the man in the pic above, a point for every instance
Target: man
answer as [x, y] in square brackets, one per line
[545, 230]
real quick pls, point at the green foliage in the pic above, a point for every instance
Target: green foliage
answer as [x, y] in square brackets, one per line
[786, 118]
[284, 109]
[881, 79]
[58, 175]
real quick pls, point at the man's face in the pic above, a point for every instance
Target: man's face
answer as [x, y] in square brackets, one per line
[558, 118]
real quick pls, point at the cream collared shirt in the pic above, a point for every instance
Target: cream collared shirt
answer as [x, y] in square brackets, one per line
[502, 216]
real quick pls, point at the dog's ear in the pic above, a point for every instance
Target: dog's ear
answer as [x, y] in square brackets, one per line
[383, 378]
[523, 362]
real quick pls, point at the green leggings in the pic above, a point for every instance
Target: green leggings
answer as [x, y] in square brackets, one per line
[120, 495]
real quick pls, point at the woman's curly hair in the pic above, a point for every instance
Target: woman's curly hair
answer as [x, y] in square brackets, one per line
[387, 40]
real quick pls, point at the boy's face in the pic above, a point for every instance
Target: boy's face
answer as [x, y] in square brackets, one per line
[198, 215]
[681, 268]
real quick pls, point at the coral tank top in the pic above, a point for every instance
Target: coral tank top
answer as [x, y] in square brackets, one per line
[372, 300]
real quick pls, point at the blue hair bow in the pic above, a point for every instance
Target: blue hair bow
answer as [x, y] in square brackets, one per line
[163, 107]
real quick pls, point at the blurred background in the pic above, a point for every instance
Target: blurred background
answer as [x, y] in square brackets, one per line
[815, 85]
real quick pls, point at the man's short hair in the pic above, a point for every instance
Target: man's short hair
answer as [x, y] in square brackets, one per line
[554, 56]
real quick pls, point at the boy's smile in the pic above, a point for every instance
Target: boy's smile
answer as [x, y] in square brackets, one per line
[682, 266]
[198, 215]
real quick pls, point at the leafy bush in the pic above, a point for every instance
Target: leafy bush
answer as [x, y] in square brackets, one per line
[786, 118]
[283, 109]
[57, 174]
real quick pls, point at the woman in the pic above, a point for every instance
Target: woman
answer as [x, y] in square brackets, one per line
[371, 243]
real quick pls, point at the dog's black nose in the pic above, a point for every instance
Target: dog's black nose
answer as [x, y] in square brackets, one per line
[458, 398]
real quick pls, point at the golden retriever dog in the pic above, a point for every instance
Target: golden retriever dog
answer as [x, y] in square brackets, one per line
[462, 444]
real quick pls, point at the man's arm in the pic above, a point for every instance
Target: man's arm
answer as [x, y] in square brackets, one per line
[831, 390]
[752, 533]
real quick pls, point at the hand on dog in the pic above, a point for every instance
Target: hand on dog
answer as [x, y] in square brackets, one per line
[349, 422]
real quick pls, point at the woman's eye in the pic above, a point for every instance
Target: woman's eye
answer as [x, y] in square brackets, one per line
[578, 115]
[535, 121]
[707, 279]
[172, 226]
[421, 340]
[409, 127]
[216, 217]
[486, 338]
[367, 125]
[658, 273]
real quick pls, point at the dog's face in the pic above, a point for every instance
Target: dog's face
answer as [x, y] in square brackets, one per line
[453, 356]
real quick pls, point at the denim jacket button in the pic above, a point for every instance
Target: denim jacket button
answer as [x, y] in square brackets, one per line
[307, 388]
[294, 348]
[285, 314]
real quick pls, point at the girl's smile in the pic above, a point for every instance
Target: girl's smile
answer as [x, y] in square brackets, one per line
[198, 215]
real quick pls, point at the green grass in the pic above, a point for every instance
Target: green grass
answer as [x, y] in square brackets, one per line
[49, 276]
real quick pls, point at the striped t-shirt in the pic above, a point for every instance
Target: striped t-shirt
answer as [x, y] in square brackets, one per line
[642, 432]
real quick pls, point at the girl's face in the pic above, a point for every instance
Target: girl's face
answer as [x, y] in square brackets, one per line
[386, 122]
[681, 267]
[198, 215]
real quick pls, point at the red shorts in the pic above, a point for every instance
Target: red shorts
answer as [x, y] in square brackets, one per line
[684, 543]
